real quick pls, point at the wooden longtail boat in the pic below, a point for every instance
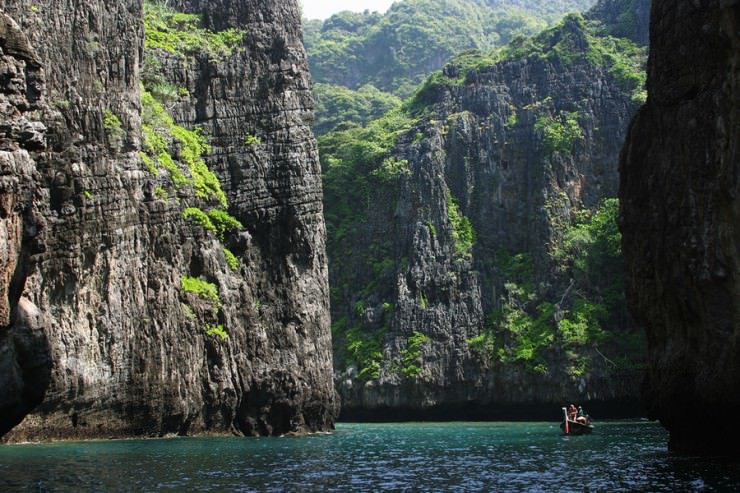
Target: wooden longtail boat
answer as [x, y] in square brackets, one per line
[571, 427]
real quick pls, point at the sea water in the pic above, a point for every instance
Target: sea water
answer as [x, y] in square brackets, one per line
[462, 456]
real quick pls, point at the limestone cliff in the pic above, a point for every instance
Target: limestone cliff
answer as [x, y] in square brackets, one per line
[24, 361]
[99, 327]
[453, 290]
[680, 219]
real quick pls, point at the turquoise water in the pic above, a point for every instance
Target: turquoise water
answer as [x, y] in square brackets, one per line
[618, 456]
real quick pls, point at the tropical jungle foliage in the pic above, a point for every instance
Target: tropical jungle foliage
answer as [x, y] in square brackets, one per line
[362, 62]
[338, 107]
[573, 40]
[395, 51]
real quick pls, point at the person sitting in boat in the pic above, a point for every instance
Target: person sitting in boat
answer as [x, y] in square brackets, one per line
[582, 417]
[572, 412]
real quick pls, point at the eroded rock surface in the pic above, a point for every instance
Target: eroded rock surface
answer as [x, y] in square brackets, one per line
[24, 358]
[96, 257]
[480, 146]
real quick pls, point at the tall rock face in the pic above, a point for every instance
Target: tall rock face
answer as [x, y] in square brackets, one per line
[680, 216]
[457, 289]
[24, 360]
[121, 315]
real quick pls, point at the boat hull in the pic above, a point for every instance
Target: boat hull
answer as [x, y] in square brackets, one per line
[576, 428]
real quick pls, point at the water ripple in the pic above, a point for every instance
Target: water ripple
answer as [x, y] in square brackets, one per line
[433, 457]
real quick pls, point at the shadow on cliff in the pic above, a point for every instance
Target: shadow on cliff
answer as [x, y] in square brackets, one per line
[25, 364]
[475, 411]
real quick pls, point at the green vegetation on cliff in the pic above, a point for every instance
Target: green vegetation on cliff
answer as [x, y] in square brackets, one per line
[182, 34]
[362, 349]
[359, 173]
[203, 289]
[208, 293]
[463, 234]
[622, 19]
[573, 40]
[395, 51]
[178, 150]
[531, 321]
[161, 134]
[217, 221]
[231, 259]
[166, 144]
[217, 330]
[339, 106]
[412, 352]
[559, 133]
[113, 127]
[361, 62]
[357, 164]
[576, 39]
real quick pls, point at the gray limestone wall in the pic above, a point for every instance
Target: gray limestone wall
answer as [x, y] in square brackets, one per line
[93, 305]
[478, 141]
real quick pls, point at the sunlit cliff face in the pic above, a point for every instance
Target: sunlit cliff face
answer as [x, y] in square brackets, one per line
[166, 275]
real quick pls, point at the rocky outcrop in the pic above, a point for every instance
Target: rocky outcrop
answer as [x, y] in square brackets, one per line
[679, 193]
[94, 272]
[475, 330]
[24, 360]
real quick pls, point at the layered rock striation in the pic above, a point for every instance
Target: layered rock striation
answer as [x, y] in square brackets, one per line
[679, 196]
[104, 331]
[24, 361]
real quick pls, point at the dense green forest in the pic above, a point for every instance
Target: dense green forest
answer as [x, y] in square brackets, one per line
[358, 60]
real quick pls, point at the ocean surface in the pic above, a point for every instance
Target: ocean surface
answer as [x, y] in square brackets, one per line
[462, 456]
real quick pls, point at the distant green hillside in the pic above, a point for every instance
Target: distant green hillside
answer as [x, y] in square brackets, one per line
[396, 51]
[339, 106]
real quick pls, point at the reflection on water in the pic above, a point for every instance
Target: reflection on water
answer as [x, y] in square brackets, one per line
[618, 456]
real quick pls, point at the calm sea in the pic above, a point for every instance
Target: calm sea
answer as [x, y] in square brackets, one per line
[618, 456]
